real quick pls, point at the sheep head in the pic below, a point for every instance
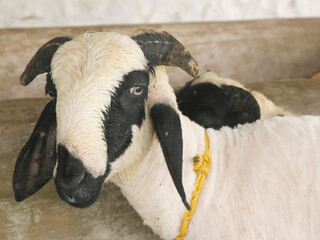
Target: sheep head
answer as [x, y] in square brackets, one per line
[110, 94]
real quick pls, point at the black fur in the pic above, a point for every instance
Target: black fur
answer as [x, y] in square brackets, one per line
[125, 111]
[214, 107]
[73, 181]
[168, 128]
[50, 87]
[36, 161]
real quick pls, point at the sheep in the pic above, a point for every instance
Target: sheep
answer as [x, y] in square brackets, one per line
[117, 119]
[214, 102]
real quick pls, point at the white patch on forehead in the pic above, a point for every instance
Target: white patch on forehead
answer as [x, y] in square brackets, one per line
[86, 71]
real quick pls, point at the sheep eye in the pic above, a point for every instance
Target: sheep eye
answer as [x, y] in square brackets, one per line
[136, 90]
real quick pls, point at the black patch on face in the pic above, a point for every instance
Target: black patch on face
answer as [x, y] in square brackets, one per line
[74, 183]
[50, 87]
[214, 107]
[125, 111]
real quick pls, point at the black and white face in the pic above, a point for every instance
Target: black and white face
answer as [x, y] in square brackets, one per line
[108, 106]
[101, 106]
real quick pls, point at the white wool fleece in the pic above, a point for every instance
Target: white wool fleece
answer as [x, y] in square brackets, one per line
[264, 182]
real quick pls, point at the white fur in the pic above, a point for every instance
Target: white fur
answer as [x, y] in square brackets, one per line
[211, 77]
[86, 71]
[264, 179]
[159, 91]
[264, 182]
[150, 190]
[267, 107]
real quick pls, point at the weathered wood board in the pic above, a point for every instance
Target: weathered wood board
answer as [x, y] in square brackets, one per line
[300, 96]
[248, 51]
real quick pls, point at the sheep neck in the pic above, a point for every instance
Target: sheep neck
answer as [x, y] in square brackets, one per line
[151, 190]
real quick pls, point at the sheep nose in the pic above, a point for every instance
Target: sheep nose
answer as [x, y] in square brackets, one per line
[70, 171]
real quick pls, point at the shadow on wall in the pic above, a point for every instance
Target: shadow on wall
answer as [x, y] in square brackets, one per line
[35, 13]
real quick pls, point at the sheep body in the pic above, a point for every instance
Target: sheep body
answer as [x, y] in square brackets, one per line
[263, 183]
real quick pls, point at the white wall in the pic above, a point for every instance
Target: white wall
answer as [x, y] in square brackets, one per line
[42, 13]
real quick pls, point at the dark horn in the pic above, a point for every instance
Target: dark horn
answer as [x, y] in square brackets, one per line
[41, 61]
[161, 48]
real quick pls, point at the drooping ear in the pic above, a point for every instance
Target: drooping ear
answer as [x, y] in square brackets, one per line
[168, 129]
[36, 161]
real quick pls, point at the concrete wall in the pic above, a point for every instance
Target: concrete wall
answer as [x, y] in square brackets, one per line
[44, 13]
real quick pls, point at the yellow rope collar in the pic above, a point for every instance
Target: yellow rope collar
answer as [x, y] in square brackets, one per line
[201, 165]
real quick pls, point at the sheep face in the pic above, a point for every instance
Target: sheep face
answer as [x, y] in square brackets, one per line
[102, 86]
[105, 87]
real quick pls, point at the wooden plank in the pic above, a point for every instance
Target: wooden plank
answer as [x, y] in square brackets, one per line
[248, 51]
[300, 96]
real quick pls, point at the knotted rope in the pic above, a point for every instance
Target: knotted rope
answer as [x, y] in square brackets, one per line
[201, 165]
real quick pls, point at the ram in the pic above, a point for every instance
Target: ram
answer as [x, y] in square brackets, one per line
[117, 119]
[214, 102]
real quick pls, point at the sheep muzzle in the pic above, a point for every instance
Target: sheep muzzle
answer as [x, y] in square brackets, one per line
[74, 183]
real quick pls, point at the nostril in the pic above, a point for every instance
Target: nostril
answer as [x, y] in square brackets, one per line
[67, 196]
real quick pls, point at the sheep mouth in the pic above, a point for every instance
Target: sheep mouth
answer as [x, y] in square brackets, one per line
[84, 194]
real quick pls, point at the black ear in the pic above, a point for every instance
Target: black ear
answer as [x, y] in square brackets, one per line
[168, 128]
[36, 161]
[242, 108]
[213, 106]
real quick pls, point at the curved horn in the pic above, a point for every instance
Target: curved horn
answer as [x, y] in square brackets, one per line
[41, 61]
[161, 48]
